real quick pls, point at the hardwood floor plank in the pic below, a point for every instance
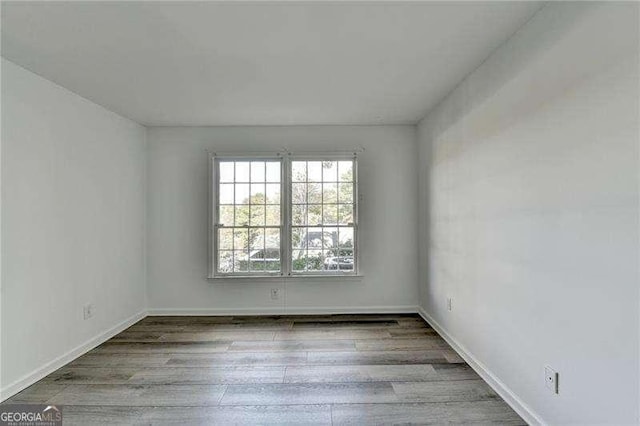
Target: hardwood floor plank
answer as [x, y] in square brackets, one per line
[160, 347]
[92, 375]
[330, 334]
[447, 391]
[205, 375]
[150, 328]
[309, 393]
[293, 345]
[360, 373]
[139, 395]
[237, 327]
[411, 333]
[303, 325]
[353, 317]
[178, 320]
[238, 358]
[377, 357]
[455, 372]
[167, 375]
[453, 357]
[119, 360]
[240, 415]
[413, 321]
[214, 336]
[83, 415]
[272, 319]
[401, 344]
[477, 413]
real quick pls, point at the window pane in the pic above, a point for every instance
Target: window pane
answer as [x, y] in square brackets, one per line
[314, 238]
[346, 237]
[299, 214]
[225, 239]
[272, 238]
[273, 171]
[299, 171]
[345, 192]
[256, 241]
[242, 171]
[298, 238]
[314, 260]
[330, 214]
[343, 262]
[347, 258]
[226, 193]
[315, 214]
[225, 261]
[257, 193]
[330, 241]
[226, 171]
[241, 239]
[240, 263]
[272, 259]
[242, 193]
[299, 193]
[331, 259]
[273, 216]
[257, 171]
[256, 265]
[314, 193]
[225, 215]
[257, 215]
[314, 171]
[345, 214]
[345, 171]
[242, 216]
[299, 260]
[329, 171]
[330, 193]
[273, 194]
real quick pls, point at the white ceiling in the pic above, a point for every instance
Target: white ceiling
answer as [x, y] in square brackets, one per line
[252, 63]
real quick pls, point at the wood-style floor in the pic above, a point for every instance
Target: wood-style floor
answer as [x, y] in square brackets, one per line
[334, 369]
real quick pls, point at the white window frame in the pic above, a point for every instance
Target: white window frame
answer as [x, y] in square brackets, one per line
[286, 208]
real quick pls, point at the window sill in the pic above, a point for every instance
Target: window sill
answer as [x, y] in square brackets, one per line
[349, 277]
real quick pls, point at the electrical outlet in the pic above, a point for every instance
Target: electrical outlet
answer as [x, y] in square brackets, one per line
[449, 304]
[88, 311]
[551, 379]
[275, 293]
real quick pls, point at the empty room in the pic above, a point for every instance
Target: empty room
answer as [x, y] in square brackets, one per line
[320, 212]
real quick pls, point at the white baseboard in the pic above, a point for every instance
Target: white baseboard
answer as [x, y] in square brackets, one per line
[50, 367]
[285, 311]
[496, 384]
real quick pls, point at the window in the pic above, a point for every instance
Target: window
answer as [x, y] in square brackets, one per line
[249, 219]
[322, 224]
[284, 216]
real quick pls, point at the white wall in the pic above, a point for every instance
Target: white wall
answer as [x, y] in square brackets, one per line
[178, 221]
[73, 182]
[529, 218]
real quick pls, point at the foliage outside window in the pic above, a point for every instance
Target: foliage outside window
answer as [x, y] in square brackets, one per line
[284, 217]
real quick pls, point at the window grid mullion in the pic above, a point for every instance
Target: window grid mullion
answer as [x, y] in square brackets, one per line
[264, 229]
[285, 216]
[233, 233]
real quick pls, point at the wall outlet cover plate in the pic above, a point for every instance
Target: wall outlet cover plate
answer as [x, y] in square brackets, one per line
[551, 379]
